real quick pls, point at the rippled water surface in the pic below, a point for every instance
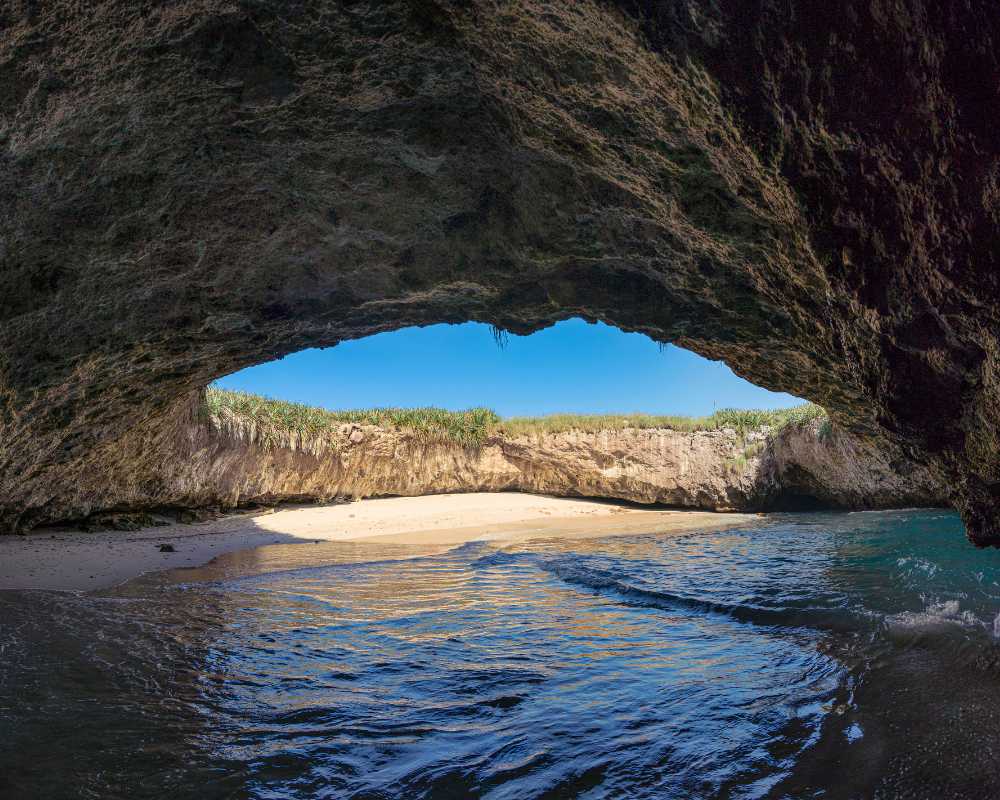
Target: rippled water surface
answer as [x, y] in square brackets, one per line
[819, 655]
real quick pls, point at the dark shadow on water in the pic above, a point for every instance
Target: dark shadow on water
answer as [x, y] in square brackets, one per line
[101, 697]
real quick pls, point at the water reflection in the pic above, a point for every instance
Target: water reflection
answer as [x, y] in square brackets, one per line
[449, 670]
[834, 655]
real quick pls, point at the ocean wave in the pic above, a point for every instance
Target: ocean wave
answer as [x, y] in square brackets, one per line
[502, 558]
[938, 617]
[887, 511]
[607, 583]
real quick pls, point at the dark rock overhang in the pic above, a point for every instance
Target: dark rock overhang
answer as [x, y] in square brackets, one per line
[809, 193]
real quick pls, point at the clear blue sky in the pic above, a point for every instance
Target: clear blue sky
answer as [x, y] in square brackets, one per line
[572, 367]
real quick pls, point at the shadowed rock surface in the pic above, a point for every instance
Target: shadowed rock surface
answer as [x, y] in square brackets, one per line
[807, 191]
[224, 461]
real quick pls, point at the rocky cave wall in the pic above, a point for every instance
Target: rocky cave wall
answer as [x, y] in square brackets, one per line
[806, 190]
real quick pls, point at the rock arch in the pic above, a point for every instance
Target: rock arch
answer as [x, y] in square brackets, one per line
[810, 196]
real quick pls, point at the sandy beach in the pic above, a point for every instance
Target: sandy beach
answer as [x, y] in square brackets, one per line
[77, 561]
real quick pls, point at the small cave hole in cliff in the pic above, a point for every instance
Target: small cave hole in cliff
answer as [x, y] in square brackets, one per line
[799, 501]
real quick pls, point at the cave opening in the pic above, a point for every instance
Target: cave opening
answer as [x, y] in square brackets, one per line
[572, 367]
[577, 409]
[799, 501]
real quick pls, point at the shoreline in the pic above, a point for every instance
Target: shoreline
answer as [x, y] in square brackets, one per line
[70, 560]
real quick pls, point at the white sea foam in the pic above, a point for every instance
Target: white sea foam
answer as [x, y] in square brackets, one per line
[911, 563]
[935, 616]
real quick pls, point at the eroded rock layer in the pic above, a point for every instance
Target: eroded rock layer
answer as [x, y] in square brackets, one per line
[222, 462]
[808, 191]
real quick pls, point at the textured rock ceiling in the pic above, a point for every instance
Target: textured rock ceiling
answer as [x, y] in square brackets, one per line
[808, 190]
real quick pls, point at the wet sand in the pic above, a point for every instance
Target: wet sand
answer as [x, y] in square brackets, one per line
[76, 561]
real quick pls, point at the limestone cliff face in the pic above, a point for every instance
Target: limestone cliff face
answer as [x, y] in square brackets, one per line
[221, 463]
[809, 191]
[813, 464]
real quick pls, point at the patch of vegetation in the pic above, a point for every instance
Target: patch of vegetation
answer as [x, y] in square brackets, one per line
[500, 337]
[280, 423]
[740, 420]
[274, 422]
[738, 462]
[825, 431]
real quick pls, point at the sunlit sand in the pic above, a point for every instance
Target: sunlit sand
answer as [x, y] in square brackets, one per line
[71, 560]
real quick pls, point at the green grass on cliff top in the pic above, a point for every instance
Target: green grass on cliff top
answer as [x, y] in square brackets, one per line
[740, 420]
[275, 422]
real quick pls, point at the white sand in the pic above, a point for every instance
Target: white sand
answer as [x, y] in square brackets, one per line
[71, 560]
